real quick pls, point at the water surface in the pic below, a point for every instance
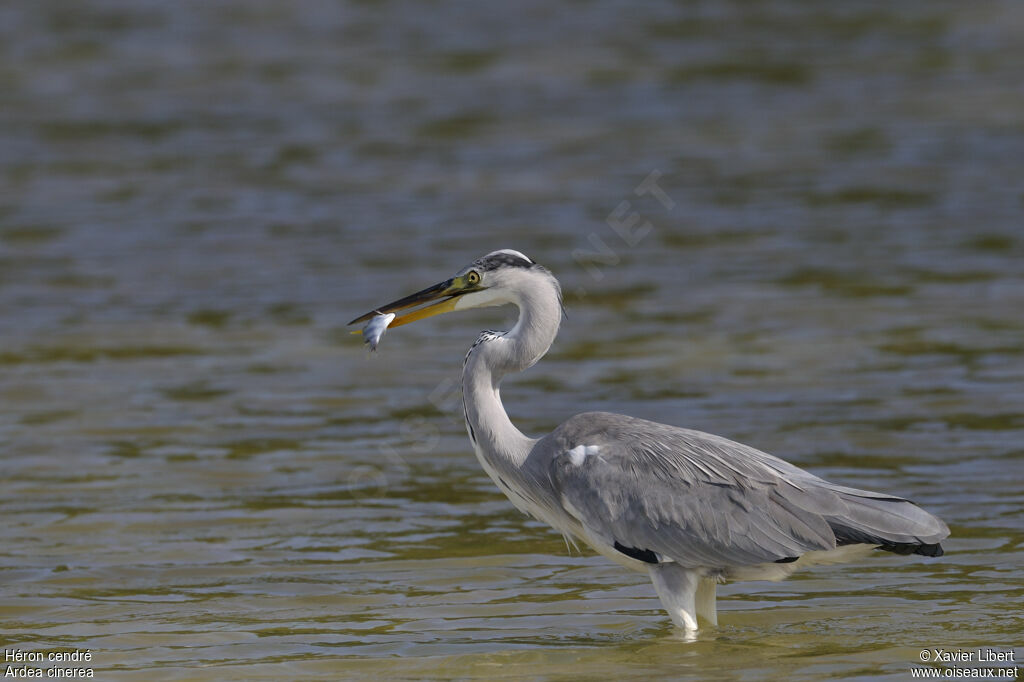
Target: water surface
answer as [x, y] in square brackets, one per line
[205, 476]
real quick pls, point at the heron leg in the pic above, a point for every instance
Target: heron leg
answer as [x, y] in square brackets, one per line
[705, 598]
[677, 589]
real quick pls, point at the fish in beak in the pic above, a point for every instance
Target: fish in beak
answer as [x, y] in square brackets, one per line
[441, 298]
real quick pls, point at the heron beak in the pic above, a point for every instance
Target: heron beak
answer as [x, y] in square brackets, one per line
[447, 291]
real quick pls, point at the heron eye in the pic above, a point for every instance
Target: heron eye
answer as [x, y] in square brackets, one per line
[473, 277]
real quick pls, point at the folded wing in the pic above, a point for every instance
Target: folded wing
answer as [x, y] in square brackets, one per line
[667, 493]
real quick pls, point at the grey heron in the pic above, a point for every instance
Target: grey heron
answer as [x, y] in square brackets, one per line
[691, 509]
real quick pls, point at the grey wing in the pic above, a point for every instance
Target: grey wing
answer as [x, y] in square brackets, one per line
[704, 501]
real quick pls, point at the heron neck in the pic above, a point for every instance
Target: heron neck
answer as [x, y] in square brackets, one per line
[494, 436]
[497, 441]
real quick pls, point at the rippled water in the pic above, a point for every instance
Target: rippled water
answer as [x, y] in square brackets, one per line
[206, 477]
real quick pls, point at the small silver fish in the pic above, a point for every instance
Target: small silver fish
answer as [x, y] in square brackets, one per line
[375, 328]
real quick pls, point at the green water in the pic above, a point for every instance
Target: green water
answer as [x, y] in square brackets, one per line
[205, 477]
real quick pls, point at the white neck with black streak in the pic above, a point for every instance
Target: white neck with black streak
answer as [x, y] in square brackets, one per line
[500, 446]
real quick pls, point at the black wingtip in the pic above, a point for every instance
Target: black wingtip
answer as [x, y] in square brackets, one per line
[930, 550]
[852, 536]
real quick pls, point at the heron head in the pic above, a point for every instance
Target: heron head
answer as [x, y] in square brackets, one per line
[488, 281]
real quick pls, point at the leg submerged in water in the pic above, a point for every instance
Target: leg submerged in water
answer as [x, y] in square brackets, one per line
[677, 588]
[706, 596]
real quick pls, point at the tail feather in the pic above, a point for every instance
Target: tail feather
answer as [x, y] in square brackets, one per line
[892, 523]
[851, 536]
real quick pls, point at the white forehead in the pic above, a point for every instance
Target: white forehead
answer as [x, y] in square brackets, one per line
[510, 252]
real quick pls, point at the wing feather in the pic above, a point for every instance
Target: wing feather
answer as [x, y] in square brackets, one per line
[705, 501]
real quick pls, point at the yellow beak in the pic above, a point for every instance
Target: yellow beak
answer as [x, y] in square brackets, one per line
[448, 291]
